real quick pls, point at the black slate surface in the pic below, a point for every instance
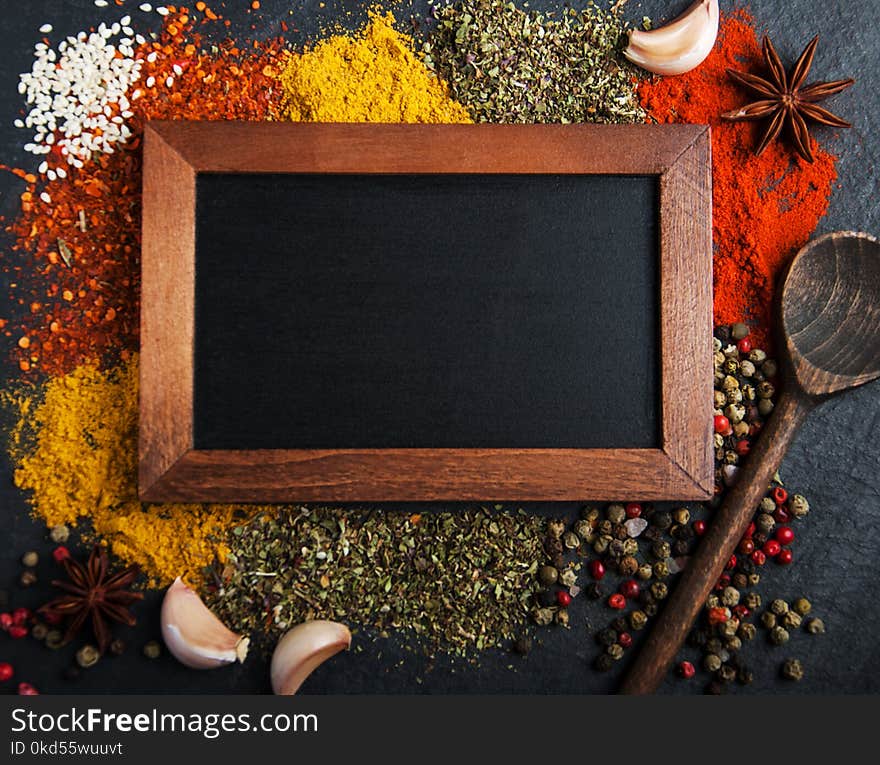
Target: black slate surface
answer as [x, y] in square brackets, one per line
[527, 319]
[835, 460]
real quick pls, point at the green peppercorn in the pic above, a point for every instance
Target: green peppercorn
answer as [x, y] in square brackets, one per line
[660, 550]
[730, 597]
[745, 676]
[660, 590]
[39, 631]
[615, 651]
[88, 656]
[752, 601]
[562, 618]
[765, 406]
[638, 620]
[619, 624]
[711, 662]
[713, 601]
[779, 635]
[59, 534]
[615, 513]
[802, 606]
[739, 331]
[747, 631]
[815, 626]
[547, 575]
[792, 669]
[778, 606]
[714, 645]
[726, 674]
[768, 620]
[790, 620]
[651, 609]
[645, 571]
[571, 540]
[661, 569]
[603, 663]
[606, 637]
[733, 644]
[555, 528]
[27, 578]
[728, 629]
[730, 366]
[719, 399]
[54, 639]
[568, 577]
[30, 559]
[754, 579]
[590, 514]
[798, 506]
[600, 546]
[757, 356]
[747, 368]
[631, 548]
[583, 529]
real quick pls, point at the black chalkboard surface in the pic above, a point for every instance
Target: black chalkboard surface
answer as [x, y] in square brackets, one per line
[445, 311]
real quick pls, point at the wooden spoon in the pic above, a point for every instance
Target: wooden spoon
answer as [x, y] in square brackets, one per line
[830, 324]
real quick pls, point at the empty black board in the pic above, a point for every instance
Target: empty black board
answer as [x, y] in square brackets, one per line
[468, 311]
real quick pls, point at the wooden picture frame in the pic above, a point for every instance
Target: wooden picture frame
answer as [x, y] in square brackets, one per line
[176, 152]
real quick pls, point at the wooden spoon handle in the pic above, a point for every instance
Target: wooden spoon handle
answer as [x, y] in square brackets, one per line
[726, 529]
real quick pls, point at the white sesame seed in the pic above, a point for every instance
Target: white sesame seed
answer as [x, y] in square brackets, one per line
[46, 28]
[46, 198]
[146, 7]
[178, 69]
[61, 172]
[101, 3]
[51, 175]
[169, 81]
[151, 81]
[162, 10]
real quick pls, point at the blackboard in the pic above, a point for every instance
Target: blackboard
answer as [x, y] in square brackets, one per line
[420, 312]
[375, 311]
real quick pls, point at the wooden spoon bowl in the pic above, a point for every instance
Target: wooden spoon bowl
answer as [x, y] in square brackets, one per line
[830, 327]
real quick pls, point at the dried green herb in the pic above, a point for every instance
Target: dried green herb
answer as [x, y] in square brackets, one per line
[506, 64]
[463, 580]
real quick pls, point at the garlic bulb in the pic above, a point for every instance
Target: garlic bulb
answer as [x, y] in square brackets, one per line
[680, 45]
[194, 636]
[301, 650]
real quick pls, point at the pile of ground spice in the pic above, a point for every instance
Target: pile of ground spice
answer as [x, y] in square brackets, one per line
[370, 76]
[764, 208]
[75, 449]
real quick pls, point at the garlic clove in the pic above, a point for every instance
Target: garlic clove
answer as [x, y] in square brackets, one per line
[194, 636]
[301, 650]
[679, 46]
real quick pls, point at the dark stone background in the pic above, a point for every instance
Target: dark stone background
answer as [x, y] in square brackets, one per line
[834, 462]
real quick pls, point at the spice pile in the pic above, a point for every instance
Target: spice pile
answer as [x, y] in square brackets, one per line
[458, 580]
[507, 64]
[764, 208]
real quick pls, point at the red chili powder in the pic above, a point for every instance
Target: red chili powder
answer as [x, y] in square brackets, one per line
[74, 272]
[765, 208]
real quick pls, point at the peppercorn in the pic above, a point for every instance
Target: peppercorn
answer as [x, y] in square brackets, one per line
[26, 689]
[659, 590]
[17, 631]
[615, 549]
[562, 617]
[661, 550]
[784, 535]
[28, 577]
[779, 635]
[600, 546]
[661, 520]
[87, 656]
[730, 596]
[745, 676]
[117, 647]
[39, 631]
[726, 674]
[759, 539]
[739, 331]
[595, 591]
[680, 548]
[754, 579]
[792, 669]
[697, 637]
[638, 620]
[765, 407]
[802, 606]
[6, 672]
[714, 645]
[625, 639]
[752, 601]
[628, 566]
[590, 514]
[661, 569]
[615, 651]
[740, 580]
[30, 559]
[546, 598]
[616, 513]
[768, 620]
[583, 529]
[60, 554]
[571, 540]
[699, 528]
[785, 557]
[686, 670]
[728, 629]
[778, 606]
[54, 640]
[555, 528]
[718, 615]
[711, 662]
[790, 620]
[606, 637]
[733, 644]
[553, 547]
[604, 663]
[646, 571]
[568, 577]
[758, 558]
[798, 506]
[617, 601]
[815, 626]
[563, 598]
[547, 575]
[541, 616]
[59, 534]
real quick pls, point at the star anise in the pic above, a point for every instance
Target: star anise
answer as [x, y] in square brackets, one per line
[93, 592]
[786, 100]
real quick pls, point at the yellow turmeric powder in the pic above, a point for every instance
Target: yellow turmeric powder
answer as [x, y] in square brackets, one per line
[370, 76]
[75, 446]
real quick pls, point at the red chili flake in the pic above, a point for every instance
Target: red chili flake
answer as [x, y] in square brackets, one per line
[18, 631]
[21, 615]
[6, 672]
[617, 601]
[6, 621]
[780, 495]
[750, 531]
[60, 554]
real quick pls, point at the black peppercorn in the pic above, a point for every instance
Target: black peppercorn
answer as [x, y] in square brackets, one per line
[604, 663]
[759, 538]
[726, 674]
[651, 609]
[661, 520]
[723, 334]
[606, 637]
[553, 546]
[745, 676]
[594, 591]
[646, 597]
[117, 647]
[522, 645]
[651, 534]
[714, 645]
[680, 548]
[39, 631]
[746, 566]
[620, 624]
[740, 580]
[546, 598]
